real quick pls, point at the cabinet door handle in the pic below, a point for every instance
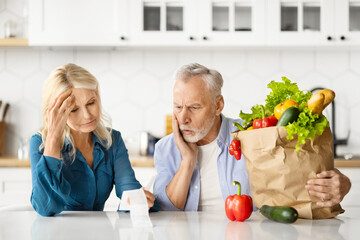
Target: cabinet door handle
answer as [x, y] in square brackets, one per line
[342, 38]
[205, 38]
[122, 38]
[191, 38]
[329, 38]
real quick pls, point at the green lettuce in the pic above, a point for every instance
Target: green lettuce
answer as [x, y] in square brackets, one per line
[281, 91]
[307, 126]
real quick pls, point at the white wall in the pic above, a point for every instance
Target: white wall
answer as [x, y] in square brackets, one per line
[136, 84]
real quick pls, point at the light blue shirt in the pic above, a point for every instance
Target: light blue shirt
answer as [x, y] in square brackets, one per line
[63, 185]
[167, 159]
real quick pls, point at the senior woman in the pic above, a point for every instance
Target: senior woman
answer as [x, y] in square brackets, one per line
[75, 159]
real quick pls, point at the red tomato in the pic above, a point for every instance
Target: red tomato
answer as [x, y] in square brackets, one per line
[236, 144]
[231, 149]
[237, 154]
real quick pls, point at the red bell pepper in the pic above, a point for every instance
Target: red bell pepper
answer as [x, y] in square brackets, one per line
[238, 206]
[234, 149]
[273, 120]
[264, 121]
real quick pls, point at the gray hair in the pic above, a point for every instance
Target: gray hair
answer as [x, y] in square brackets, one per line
[212, 78]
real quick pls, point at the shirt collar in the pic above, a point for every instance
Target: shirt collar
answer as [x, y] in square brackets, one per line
[224, 133]
[96, 140]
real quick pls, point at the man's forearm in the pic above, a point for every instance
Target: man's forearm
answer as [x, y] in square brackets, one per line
[178, 188]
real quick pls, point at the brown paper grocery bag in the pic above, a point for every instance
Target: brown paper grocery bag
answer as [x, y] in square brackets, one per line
[278, 174]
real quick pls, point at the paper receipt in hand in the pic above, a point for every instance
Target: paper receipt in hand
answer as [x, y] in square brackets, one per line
[135, 201]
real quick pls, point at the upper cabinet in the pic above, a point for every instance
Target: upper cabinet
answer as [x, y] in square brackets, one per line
[202, 22]
[78, 23]
[194, 22]
[232, 22]
[347, 22]
[313, 22]
[160, 23]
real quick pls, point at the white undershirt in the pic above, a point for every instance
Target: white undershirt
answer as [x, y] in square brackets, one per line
[210, 192]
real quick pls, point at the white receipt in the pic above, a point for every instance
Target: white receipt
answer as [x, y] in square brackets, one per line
[135, 201]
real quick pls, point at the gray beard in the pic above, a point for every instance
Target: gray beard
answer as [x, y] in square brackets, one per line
[200, 133]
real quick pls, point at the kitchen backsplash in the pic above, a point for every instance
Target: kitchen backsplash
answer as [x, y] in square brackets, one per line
[136, 84]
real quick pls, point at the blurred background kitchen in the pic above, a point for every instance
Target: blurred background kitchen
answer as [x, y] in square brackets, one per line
[133, 48]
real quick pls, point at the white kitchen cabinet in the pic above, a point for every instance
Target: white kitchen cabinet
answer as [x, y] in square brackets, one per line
[198, 23]
[160, 23]
[313, 22]
[352, 198]
[347, 28]
[300, 22]
[15, 186]
[232, 22]
[78, 23]
[194, 23]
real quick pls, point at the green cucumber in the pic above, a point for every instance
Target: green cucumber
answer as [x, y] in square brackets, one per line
[281, 214]
[289, 115]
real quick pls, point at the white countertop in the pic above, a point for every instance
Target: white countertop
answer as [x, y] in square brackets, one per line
[172, 225]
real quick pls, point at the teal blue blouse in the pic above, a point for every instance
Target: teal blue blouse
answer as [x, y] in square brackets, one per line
[63, 185]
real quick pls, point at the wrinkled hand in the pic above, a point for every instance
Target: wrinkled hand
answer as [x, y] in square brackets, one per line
[330, 186]
[149, 197]
[187, 150]
[58, 114]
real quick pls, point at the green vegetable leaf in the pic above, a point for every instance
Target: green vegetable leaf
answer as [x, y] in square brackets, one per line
[284, 90]
[249, 117]
[307, 126]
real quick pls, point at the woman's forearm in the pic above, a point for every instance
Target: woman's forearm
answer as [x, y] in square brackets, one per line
[52, 147]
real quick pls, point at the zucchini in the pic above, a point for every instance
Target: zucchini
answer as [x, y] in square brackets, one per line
[289, 115]
[281, 214]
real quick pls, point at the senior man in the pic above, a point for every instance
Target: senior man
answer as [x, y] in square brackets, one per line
[195, 169]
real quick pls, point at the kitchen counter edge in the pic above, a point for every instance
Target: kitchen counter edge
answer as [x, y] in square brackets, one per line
[148, 161]
[136, 161]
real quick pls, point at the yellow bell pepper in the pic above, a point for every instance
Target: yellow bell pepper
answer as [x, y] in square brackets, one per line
[281, 107]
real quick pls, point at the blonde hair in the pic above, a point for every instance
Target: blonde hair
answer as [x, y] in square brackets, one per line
[60, 80]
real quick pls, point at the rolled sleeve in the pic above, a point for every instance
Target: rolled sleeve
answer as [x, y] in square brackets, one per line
[50, 189]
[164, 176]
[160, 184]
[52, 164]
